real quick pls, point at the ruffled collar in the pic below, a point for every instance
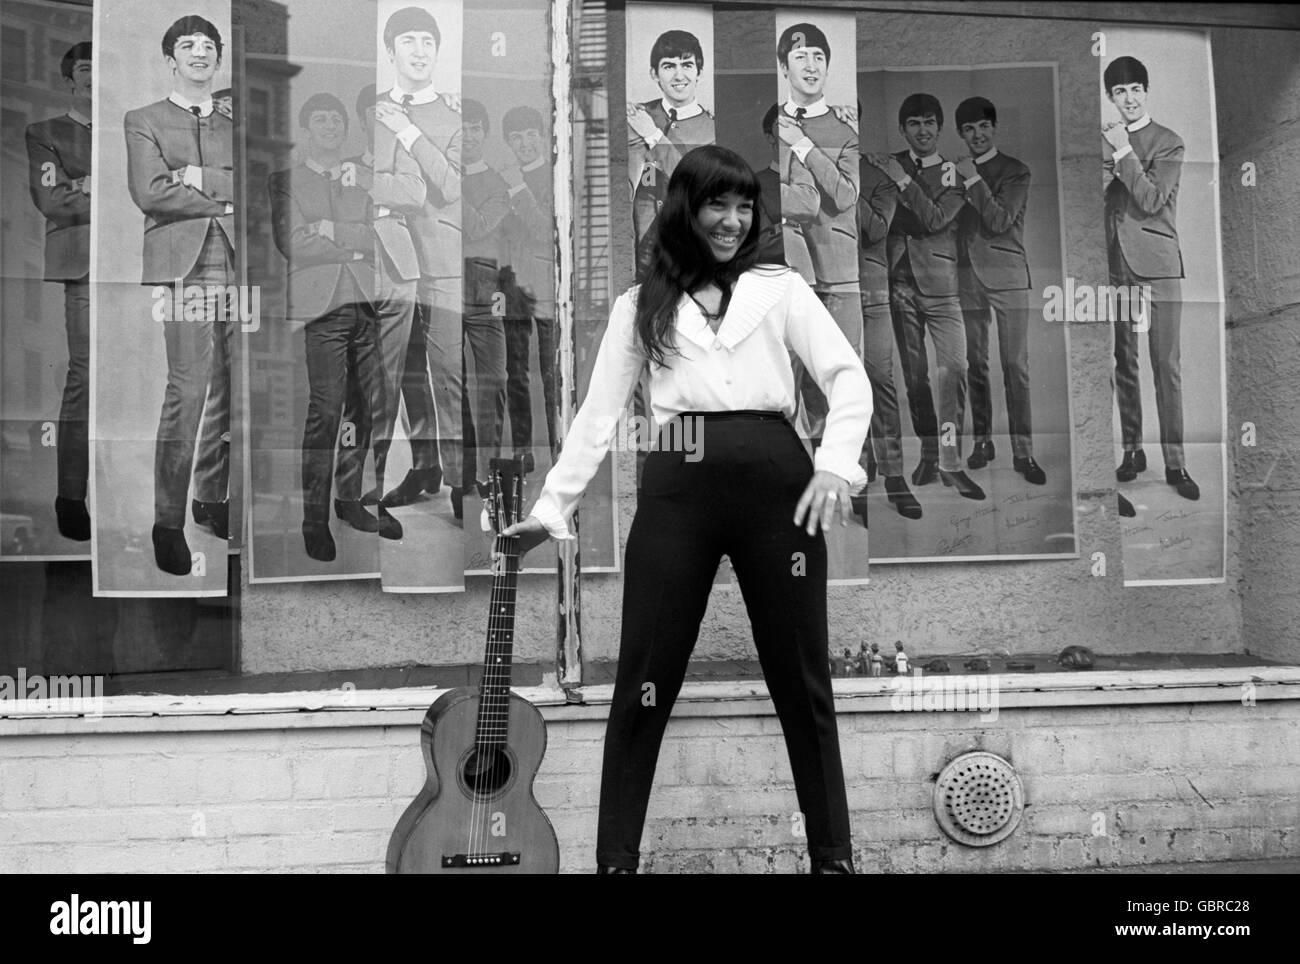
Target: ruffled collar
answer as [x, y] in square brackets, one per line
[755, 294]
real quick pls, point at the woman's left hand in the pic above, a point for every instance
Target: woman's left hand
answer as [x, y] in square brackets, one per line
[826, 494]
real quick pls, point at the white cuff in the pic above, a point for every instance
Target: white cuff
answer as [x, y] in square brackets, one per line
[970, 181]
[1126, 149]
[230, 208]
[902, 185]
[548, 515]
[654, 138]
[846, 469]
[518, 189]
[801, 147]
[408, 136]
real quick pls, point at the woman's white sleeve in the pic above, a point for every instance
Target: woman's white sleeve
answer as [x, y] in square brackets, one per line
[815, 337]
[618, 363]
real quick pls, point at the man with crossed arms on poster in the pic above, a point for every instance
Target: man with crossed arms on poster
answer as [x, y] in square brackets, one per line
[180, 175]
[823, 141]
[1145, 162]
[428, 126]
[994, 275]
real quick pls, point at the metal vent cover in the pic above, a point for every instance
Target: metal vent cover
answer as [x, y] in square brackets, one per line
[978, 799]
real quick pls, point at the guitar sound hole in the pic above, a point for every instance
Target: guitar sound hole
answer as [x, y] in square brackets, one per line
[487, 771]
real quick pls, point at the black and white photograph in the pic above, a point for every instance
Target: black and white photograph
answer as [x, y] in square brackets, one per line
[1162, 243]
[166, 305]
[479, 437]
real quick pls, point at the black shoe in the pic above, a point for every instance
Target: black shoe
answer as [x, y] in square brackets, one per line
[320, 544]
[1181, 481]
[1134, 462]
[171, 551]
[962, 483]
[901, 497]
[372, 497]
[389, 527]
[355, 515]
[833, 867]
[458, 502]
[1126, 507]
[926, 472]
[859, 504]
[605, 869]
[1031, 470]
[981, 455]
[73, 519]
[213, 516]
[416, 482]
[530, 464]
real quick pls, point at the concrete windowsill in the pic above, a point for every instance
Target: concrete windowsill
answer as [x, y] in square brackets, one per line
[406, 707]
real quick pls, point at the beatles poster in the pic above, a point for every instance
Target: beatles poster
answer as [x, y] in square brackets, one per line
[45, 500]
[962, 223]
[166, 302]
[1159, 150]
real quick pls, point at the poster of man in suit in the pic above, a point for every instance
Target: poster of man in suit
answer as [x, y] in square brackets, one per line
[45, 292]
[980, 382]
[329, 194]
[1160, 208]
[166, 304]
[817, 154]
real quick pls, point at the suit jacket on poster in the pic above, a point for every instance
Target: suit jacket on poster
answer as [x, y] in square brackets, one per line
[992, 224]
[877, 200]
[301, 197]
[163, 138]
[397, 190]
[530, 246]
[783, 238]
[436, 229]
[925, 229]
[832, 234]
[654, 166]
[63, 145]
[486, 203]
[1142, 203]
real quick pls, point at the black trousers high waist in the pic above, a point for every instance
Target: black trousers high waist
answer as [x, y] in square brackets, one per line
[734, 495]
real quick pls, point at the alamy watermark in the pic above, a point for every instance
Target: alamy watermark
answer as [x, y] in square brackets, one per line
[1086, 302]
[682, 433]
[82, 695]
[214, 302]
[917, 693]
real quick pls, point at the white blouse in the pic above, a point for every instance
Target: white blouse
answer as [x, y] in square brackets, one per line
[745, 365]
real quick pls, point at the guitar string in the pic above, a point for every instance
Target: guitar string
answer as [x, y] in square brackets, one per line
[493, 721]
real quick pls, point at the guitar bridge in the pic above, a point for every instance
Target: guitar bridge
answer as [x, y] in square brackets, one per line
[503, 859]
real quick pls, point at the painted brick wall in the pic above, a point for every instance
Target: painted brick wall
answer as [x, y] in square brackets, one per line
[1177, 782]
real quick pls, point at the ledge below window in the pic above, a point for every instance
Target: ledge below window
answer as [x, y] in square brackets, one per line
[406, 706]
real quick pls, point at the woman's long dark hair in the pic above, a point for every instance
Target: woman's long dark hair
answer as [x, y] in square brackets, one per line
[681, 261]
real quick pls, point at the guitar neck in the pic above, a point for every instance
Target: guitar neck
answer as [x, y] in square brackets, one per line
[498, 654]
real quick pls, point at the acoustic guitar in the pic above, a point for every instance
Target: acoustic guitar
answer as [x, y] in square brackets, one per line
[476, 813]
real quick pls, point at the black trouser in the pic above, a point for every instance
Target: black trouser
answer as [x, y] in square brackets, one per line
[73, 452]
[344, 373]
[737, 500]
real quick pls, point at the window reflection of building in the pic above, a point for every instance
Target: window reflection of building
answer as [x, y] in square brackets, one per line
[33, 41]
[591, 180]
[273, 364]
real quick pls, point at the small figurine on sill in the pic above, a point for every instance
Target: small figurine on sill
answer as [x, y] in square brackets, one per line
[900, 659]
[863, 661]
[877, 661]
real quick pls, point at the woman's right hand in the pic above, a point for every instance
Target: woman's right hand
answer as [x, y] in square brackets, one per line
[531, 533]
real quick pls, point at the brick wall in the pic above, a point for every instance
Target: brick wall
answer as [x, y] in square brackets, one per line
[321, 792]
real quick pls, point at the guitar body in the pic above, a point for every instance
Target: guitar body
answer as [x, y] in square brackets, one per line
[476, 811]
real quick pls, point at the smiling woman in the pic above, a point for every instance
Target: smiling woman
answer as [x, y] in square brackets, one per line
[717, 331]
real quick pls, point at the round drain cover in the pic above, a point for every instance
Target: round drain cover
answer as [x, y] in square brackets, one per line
[978, 799]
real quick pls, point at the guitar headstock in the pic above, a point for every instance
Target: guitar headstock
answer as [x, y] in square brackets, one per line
[505, 497]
